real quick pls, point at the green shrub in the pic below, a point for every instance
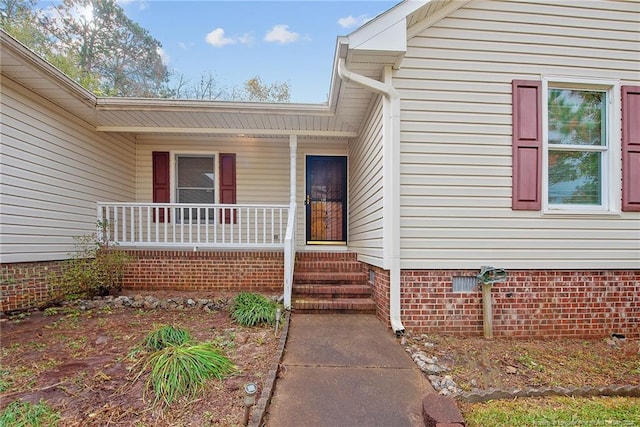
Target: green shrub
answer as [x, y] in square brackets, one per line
[164, 336]
[250, 309]
[26, 414]
[182, 370]
[95, 268]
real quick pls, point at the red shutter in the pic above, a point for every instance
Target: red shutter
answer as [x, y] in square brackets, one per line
[631, 148]
[527, 145]
[161, 182]
[228, 184]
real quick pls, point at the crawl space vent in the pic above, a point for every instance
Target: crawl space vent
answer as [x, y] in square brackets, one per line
[464, 283]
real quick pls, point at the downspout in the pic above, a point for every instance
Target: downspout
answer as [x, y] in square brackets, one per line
[391, 181]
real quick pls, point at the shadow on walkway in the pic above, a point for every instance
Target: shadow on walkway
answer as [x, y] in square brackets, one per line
[345, 370]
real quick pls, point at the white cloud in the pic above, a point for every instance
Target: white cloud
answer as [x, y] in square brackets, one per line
[281, 34]
[352, 22]
[217, 38]
[246, 38]
[163, 56]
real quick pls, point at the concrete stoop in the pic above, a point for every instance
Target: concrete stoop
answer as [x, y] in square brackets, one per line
[441, 411]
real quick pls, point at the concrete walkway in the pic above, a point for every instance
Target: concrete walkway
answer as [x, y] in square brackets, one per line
[345, 370]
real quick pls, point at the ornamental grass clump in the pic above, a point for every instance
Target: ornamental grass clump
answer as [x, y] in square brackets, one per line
[175, 366]
[164, 336]
[250, 309]
[182, 370]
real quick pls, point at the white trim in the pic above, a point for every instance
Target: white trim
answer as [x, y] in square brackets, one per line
[376, 34]
[226, 131]
[611, 167]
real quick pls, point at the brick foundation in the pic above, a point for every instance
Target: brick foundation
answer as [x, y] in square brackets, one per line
[205, 271]
[27, 285]
[538, 303]
[381, 289]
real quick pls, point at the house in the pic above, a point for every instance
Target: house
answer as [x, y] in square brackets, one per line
[458, 135]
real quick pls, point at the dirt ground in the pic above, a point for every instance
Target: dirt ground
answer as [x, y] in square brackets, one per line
[477, 363]
[78, 362]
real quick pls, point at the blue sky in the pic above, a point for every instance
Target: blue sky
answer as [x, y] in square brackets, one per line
[280, 41]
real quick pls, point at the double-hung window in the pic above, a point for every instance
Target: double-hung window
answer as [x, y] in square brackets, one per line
[580, 148]
[195, 178]
[195, 183]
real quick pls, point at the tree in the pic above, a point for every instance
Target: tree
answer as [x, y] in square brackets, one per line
[93, 42]
[17, 19]
[206, 88]
[22, 21]
[254, 90]
[106, 42]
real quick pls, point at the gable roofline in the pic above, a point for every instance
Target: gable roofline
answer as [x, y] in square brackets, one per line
[381, 32]
[13, 50]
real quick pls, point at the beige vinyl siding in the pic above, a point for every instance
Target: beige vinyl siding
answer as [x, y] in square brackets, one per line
[366, 195]
[455, 84]
[54, 169]
[262, 166]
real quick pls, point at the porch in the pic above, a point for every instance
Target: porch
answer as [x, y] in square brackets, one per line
[210, 227]
[185, 246]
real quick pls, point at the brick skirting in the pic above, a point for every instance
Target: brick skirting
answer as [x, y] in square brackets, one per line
[261, 271]
[27, 285]
[530, 303]
[538, 303]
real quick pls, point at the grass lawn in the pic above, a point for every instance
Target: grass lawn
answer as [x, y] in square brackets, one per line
[554, 411]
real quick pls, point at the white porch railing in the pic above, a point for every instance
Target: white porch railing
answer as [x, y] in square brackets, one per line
[190, 225]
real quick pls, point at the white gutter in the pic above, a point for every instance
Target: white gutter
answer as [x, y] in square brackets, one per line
[391, 181]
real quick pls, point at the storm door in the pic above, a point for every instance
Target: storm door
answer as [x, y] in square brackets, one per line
[326, 200]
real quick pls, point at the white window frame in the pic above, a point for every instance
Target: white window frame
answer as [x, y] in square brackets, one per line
[611, 157]
[173, 179]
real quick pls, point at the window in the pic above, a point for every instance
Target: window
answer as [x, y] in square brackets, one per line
[578, 146]
[195, 183]
[195, 180]
[568, 155]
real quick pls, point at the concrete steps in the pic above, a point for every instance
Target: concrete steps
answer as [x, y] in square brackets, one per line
[329, 282]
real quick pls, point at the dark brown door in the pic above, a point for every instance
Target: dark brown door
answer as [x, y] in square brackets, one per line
[326, 200]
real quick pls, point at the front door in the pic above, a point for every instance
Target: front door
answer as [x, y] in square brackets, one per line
[326, 200]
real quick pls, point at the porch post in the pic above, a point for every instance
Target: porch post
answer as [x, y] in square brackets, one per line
[293, 149]
[290, 239]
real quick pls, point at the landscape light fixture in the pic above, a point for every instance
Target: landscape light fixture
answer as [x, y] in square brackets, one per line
[250, 390]
[278, 315]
